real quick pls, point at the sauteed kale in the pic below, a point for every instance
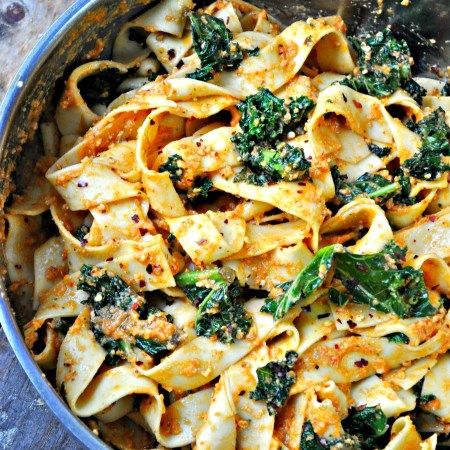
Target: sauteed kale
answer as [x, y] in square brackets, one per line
[218, 299]
[377, 280]
[265, 121]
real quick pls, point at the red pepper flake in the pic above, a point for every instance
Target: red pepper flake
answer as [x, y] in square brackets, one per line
[351, 324]
[143, 231]
[135, 218]
[361, 363]
[336, 346]
[198, 144]
[109, 259]
[357, 104]
[135, 306]
[149, 269]
[432, 218]
[141, 283]
[202, 241]
[171, 53]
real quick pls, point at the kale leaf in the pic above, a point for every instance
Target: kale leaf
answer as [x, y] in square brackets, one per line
[398, 338]
[105, 290]
[383, 62]
[213, 45]
[380, 282]
[311, 441]
[172, 166]
[367, 185]
[116, 350]
[403, 197]
[265, 120]
[220, 312]
[200, 189]
[101, 87]
[310, 278]
[427, 163]
[379, 151]
[262, 116]
[80, 234]
[367, 425]
[415, 90]
[275, 380]
[151, 346]
[445, 91]
[377, 280]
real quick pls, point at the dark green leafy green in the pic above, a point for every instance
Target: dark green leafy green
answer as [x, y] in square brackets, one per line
[311, 441]
[81, 232]
[426, 398]
[403, 197]
[105, 290]
[398, 338]
[217, 296]
[101, 87]
[427, 164]
[173, 167]
[150, 346]
[377, 280]
[275, 380]
[383, 62]
[415, 90]
[338, 298]
[367, 185]
[310, 278]
[213, 45]
[116, 350]
[201, 189]
[265, 119]
[446, 89]
[367, 425]
[379, 151]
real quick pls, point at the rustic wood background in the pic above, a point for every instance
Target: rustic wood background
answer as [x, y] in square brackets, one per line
[25, 420]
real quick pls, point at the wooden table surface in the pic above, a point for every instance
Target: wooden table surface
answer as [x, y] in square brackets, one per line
[25, 420]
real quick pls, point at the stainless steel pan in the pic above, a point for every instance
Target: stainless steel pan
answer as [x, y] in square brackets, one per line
[424, 24]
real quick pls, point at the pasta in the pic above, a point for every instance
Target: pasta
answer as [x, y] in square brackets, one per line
[239, 237]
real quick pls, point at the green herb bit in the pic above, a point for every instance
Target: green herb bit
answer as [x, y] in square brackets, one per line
[415, 90]
[381, 152]
[275, 380]
[398, 338]
[200, 189]
[173, 167]
[81, 232]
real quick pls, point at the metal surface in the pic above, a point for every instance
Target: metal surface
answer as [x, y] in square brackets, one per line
[63, 47]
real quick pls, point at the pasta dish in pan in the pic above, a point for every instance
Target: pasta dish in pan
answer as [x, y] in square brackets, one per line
[238, 237]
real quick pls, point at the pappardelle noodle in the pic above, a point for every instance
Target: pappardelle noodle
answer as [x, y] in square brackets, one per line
[238, 237]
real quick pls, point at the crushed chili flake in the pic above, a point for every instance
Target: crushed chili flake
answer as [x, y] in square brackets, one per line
[432, 218]
[351, 324]
[143, 231]
[361, 363]
[149, 269]
[141, 283]
[357, 104]
[135, 218]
